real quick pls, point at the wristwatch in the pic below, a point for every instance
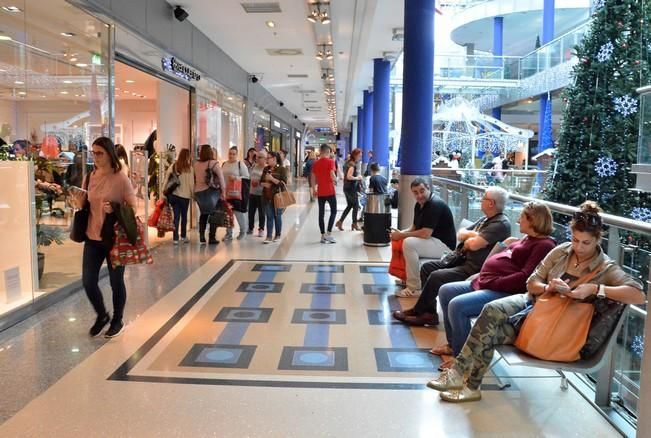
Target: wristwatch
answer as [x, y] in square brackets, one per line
[601, 293]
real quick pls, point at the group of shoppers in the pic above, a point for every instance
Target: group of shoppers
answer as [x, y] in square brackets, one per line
[492, 276]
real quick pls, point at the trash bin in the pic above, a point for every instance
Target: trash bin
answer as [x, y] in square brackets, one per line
[377, 220]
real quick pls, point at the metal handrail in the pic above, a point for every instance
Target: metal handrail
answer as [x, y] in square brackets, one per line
[607, 219]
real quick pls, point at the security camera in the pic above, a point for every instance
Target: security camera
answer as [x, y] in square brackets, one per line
[307, 109]
[295, 116]
[180, 13]
[254, 79]
[281, 103]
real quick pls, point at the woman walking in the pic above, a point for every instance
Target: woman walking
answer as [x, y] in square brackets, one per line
[235, 171]
[255, 196]
[272, 177]
[107, 184]
[208, 186]
[180, 198]
[352, 181]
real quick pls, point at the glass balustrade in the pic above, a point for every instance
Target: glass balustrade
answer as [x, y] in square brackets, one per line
[628, 245]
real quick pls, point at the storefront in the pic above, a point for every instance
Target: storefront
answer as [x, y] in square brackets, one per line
[67, 78]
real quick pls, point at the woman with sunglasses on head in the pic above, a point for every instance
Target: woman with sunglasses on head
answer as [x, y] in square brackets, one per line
[565, 263]
[505, 272]
[107, 184]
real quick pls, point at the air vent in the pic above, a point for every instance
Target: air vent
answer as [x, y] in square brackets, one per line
[310, 101]
[284, 52]
[297, 75]
[261, 8]
[314, 108]
[306, 91]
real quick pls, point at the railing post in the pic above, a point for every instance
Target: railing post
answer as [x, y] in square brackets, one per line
[463, 211]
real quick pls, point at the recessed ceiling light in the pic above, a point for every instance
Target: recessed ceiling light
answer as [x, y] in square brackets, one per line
[76, 95]
[12, 9]
[5, 38]
[73, 59]
[81, 64]
[19, 82]
[230, 97]
[270, 23]
[67, 82]
[125, 91]
[117, 88]
[83, 95]
[63, 92]
[67, 34]
[22, 93]
[130, 81]
[2, 70]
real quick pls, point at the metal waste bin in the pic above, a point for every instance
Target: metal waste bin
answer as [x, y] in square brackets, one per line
[377, 220]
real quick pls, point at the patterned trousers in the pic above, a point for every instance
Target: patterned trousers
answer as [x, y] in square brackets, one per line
[490, 330]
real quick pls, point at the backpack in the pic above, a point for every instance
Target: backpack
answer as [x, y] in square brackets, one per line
[210, 178]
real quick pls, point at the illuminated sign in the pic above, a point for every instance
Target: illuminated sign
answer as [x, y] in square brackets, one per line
[173, 66]
[276, 123]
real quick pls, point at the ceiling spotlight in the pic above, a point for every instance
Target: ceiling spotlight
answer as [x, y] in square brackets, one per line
[324, 17]
[319, 55]
[5, 38]
[180, 13]
[67, 34]
[12, 9]
[328, 54]
[270, 24]
[314, 15]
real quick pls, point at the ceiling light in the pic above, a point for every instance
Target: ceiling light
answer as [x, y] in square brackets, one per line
[325, 18]
[270, 24]
[19, 82]
[230, 97]
[81, 65]
[319, 55]
[67, 34]
[73, 59]
[130, 81]
[328, 54]
[314, 15]
[5, 38]
[67, 82]
[63, 92]
[22, 93]
[117, 88]
[12, 9]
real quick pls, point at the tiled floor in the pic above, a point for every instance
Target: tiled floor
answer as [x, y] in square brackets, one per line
[291, 339]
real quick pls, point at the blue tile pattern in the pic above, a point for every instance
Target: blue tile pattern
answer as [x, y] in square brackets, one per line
[244, 314]
[320, 288]
[319, 316]
[373, 269]
[219, 356]
[380, 317]
[325, 268]
[405, 360]
[314, 359]
[263, 287]
[380, 289]
[271, 267]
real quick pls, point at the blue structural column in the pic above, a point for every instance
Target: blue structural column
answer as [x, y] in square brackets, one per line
[360, 128]
[498, 50]
[547, 36]
[417, 101]
[381, 108]
[368, 124]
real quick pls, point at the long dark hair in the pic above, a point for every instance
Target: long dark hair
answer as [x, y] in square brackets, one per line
[122, 153]
[107, 144]
[183, 161]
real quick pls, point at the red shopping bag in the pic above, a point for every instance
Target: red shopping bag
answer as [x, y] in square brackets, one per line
[153, 219]
[234, 189]
[124, 253]
[166, 219]
[397, 266]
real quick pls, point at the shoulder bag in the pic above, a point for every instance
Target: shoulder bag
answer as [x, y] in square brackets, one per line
[80, 219]
[283, 198]
[173, 182]
[557, 327]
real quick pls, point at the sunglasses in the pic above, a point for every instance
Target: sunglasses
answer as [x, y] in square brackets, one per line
[97, 153]
[590, 220]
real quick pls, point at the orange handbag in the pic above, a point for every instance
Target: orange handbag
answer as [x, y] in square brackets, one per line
[397, 266]
[557, 327]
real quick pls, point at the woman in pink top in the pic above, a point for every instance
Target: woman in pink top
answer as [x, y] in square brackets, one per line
[106, 184]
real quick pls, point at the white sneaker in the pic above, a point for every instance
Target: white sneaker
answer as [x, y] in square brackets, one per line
[408, 293]
[175, 242]
[448, 380]
[399, 282]
[267, 240]
[260, 233]
[330, 239]
[323, 239]
[461, 395]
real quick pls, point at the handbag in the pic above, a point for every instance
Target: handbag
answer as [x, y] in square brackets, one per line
[155, 216]
[606, 315]
[283, 198]
[557, 327]
[124, 253]
[173, 183]
[222, 216]
[166, 219]
[234, 189]
[454, 258]
[398, 265]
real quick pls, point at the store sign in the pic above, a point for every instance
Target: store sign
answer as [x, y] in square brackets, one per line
[171, 65]
[323, 130]
[297, 134]
[277, 124]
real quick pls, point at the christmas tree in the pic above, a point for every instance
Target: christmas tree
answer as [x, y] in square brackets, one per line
[598, 138]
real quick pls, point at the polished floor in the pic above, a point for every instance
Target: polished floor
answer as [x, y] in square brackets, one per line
[292, 339]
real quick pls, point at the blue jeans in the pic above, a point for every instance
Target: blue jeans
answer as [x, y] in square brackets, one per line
[95, 253]
[180, 206]
[460, 303]
[274, 215]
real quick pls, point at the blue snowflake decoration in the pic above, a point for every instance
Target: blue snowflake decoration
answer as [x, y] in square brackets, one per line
[641, 214]
[605, 52]
[648, 47]
[637, 346]
[605, 167]
[598, 4]
[568, 233]
[625, 105]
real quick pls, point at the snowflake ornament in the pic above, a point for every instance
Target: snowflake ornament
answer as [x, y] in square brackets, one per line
[637, 346]
[648, 47]
[625, 105]
[641, 214]
[605, 167]
[598, 4]
[605, 52]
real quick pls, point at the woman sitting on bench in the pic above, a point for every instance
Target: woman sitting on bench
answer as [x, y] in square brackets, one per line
[568, 261]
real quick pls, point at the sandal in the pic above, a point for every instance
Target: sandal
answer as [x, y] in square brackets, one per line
[442, 350]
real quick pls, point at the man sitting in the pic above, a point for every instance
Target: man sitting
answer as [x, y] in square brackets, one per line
[431, 235]
[478, 240]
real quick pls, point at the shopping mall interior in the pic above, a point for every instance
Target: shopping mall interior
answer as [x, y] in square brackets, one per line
[548, 99]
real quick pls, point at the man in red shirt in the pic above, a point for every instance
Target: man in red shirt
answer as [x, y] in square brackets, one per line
[323, 182]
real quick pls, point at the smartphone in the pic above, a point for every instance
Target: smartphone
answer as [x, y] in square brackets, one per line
[563, 288]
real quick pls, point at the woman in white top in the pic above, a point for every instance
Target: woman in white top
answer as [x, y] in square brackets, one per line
[284, 161]
[180, 198]
[235, 170]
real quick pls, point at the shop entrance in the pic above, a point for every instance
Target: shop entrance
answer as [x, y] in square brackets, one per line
[152, 120]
